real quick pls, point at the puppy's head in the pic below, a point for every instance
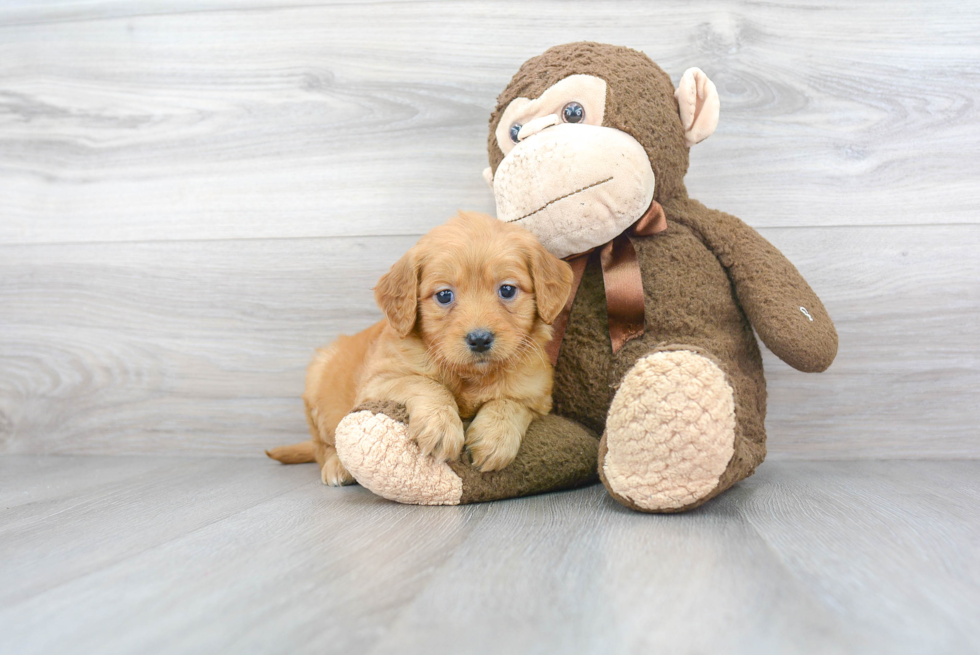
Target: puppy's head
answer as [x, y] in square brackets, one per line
[480, 292]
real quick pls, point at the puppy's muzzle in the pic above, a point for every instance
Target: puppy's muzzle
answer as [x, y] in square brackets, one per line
[479, 341]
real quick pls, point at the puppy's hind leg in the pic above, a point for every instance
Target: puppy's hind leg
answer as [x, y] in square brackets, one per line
[332, 472]
[322, 426]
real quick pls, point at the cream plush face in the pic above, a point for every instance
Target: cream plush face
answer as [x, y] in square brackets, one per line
[571, 181]
[570, 178]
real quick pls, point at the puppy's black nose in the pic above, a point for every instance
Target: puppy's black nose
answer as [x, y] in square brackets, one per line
[479, 341]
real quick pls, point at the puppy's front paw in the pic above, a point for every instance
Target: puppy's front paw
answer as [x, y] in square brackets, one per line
[333, 472]
[492, 444]
[438, 431]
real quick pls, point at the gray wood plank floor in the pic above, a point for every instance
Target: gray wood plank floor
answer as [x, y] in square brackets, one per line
[207, 555]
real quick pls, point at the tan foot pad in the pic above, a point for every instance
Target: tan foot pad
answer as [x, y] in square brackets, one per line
[670, 433]
[375, 448]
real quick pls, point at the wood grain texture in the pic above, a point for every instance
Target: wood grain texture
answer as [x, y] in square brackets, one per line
[201, 346]
[194, 195]
[327, 570]
[906, 303]
[877, 540]
[164, 347]
[828, 557]
[62, 522]
[180, 120]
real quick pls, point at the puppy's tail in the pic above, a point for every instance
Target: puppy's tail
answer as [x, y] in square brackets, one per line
[298, 453]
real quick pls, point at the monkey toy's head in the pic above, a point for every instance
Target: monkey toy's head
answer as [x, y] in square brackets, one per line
[586, 136]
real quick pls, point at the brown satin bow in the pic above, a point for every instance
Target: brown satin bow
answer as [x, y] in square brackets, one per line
[622, 279]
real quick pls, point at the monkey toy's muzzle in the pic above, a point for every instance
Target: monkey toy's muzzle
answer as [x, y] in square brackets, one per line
[574, 186]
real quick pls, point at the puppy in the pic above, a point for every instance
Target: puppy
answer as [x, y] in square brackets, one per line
[468, 311]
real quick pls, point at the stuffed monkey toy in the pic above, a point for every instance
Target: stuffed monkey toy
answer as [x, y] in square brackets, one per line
[655, 351]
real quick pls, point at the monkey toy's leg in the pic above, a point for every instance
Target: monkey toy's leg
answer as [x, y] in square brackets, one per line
[682, 407]
[373, 444]
[672, 440]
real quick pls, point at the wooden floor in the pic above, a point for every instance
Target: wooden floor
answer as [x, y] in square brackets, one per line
[144, 555]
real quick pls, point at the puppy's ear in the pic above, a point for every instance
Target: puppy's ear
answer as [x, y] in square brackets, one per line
[552, 282]
[397, 293]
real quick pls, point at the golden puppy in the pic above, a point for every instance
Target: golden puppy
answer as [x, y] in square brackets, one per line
[467, 315]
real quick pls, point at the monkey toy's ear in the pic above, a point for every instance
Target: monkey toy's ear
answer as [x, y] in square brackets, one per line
[697, 102]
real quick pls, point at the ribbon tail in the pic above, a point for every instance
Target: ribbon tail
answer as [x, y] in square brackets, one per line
[624, 291]
[623, 280]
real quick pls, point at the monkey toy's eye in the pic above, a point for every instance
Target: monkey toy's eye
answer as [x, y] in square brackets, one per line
[573, 113]
[515, 129]
[444, 297]
[507, 291]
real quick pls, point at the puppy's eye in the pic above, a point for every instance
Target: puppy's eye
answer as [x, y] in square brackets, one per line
[515, 129]
[444, 297]
[573, 113]
[507, 291]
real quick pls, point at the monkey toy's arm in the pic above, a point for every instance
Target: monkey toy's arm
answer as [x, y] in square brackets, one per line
[783, 309]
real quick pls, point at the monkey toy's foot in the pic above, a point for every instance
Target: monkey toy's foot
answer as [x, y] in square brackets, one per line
[373, 444]
[670, 433]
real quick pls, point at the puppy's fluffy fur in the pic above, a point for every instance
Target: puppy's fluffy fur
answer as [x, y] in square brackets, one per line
[420, 355]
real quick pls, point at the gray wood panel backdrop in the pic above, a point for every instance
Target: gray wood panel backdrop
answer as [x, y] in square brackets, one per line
[196, 193]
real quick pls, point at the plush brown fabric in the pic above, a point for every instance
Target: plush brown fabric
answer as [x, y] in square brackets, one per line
[690, 305]
[556, 454]
[770, 290]
[389, 409]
